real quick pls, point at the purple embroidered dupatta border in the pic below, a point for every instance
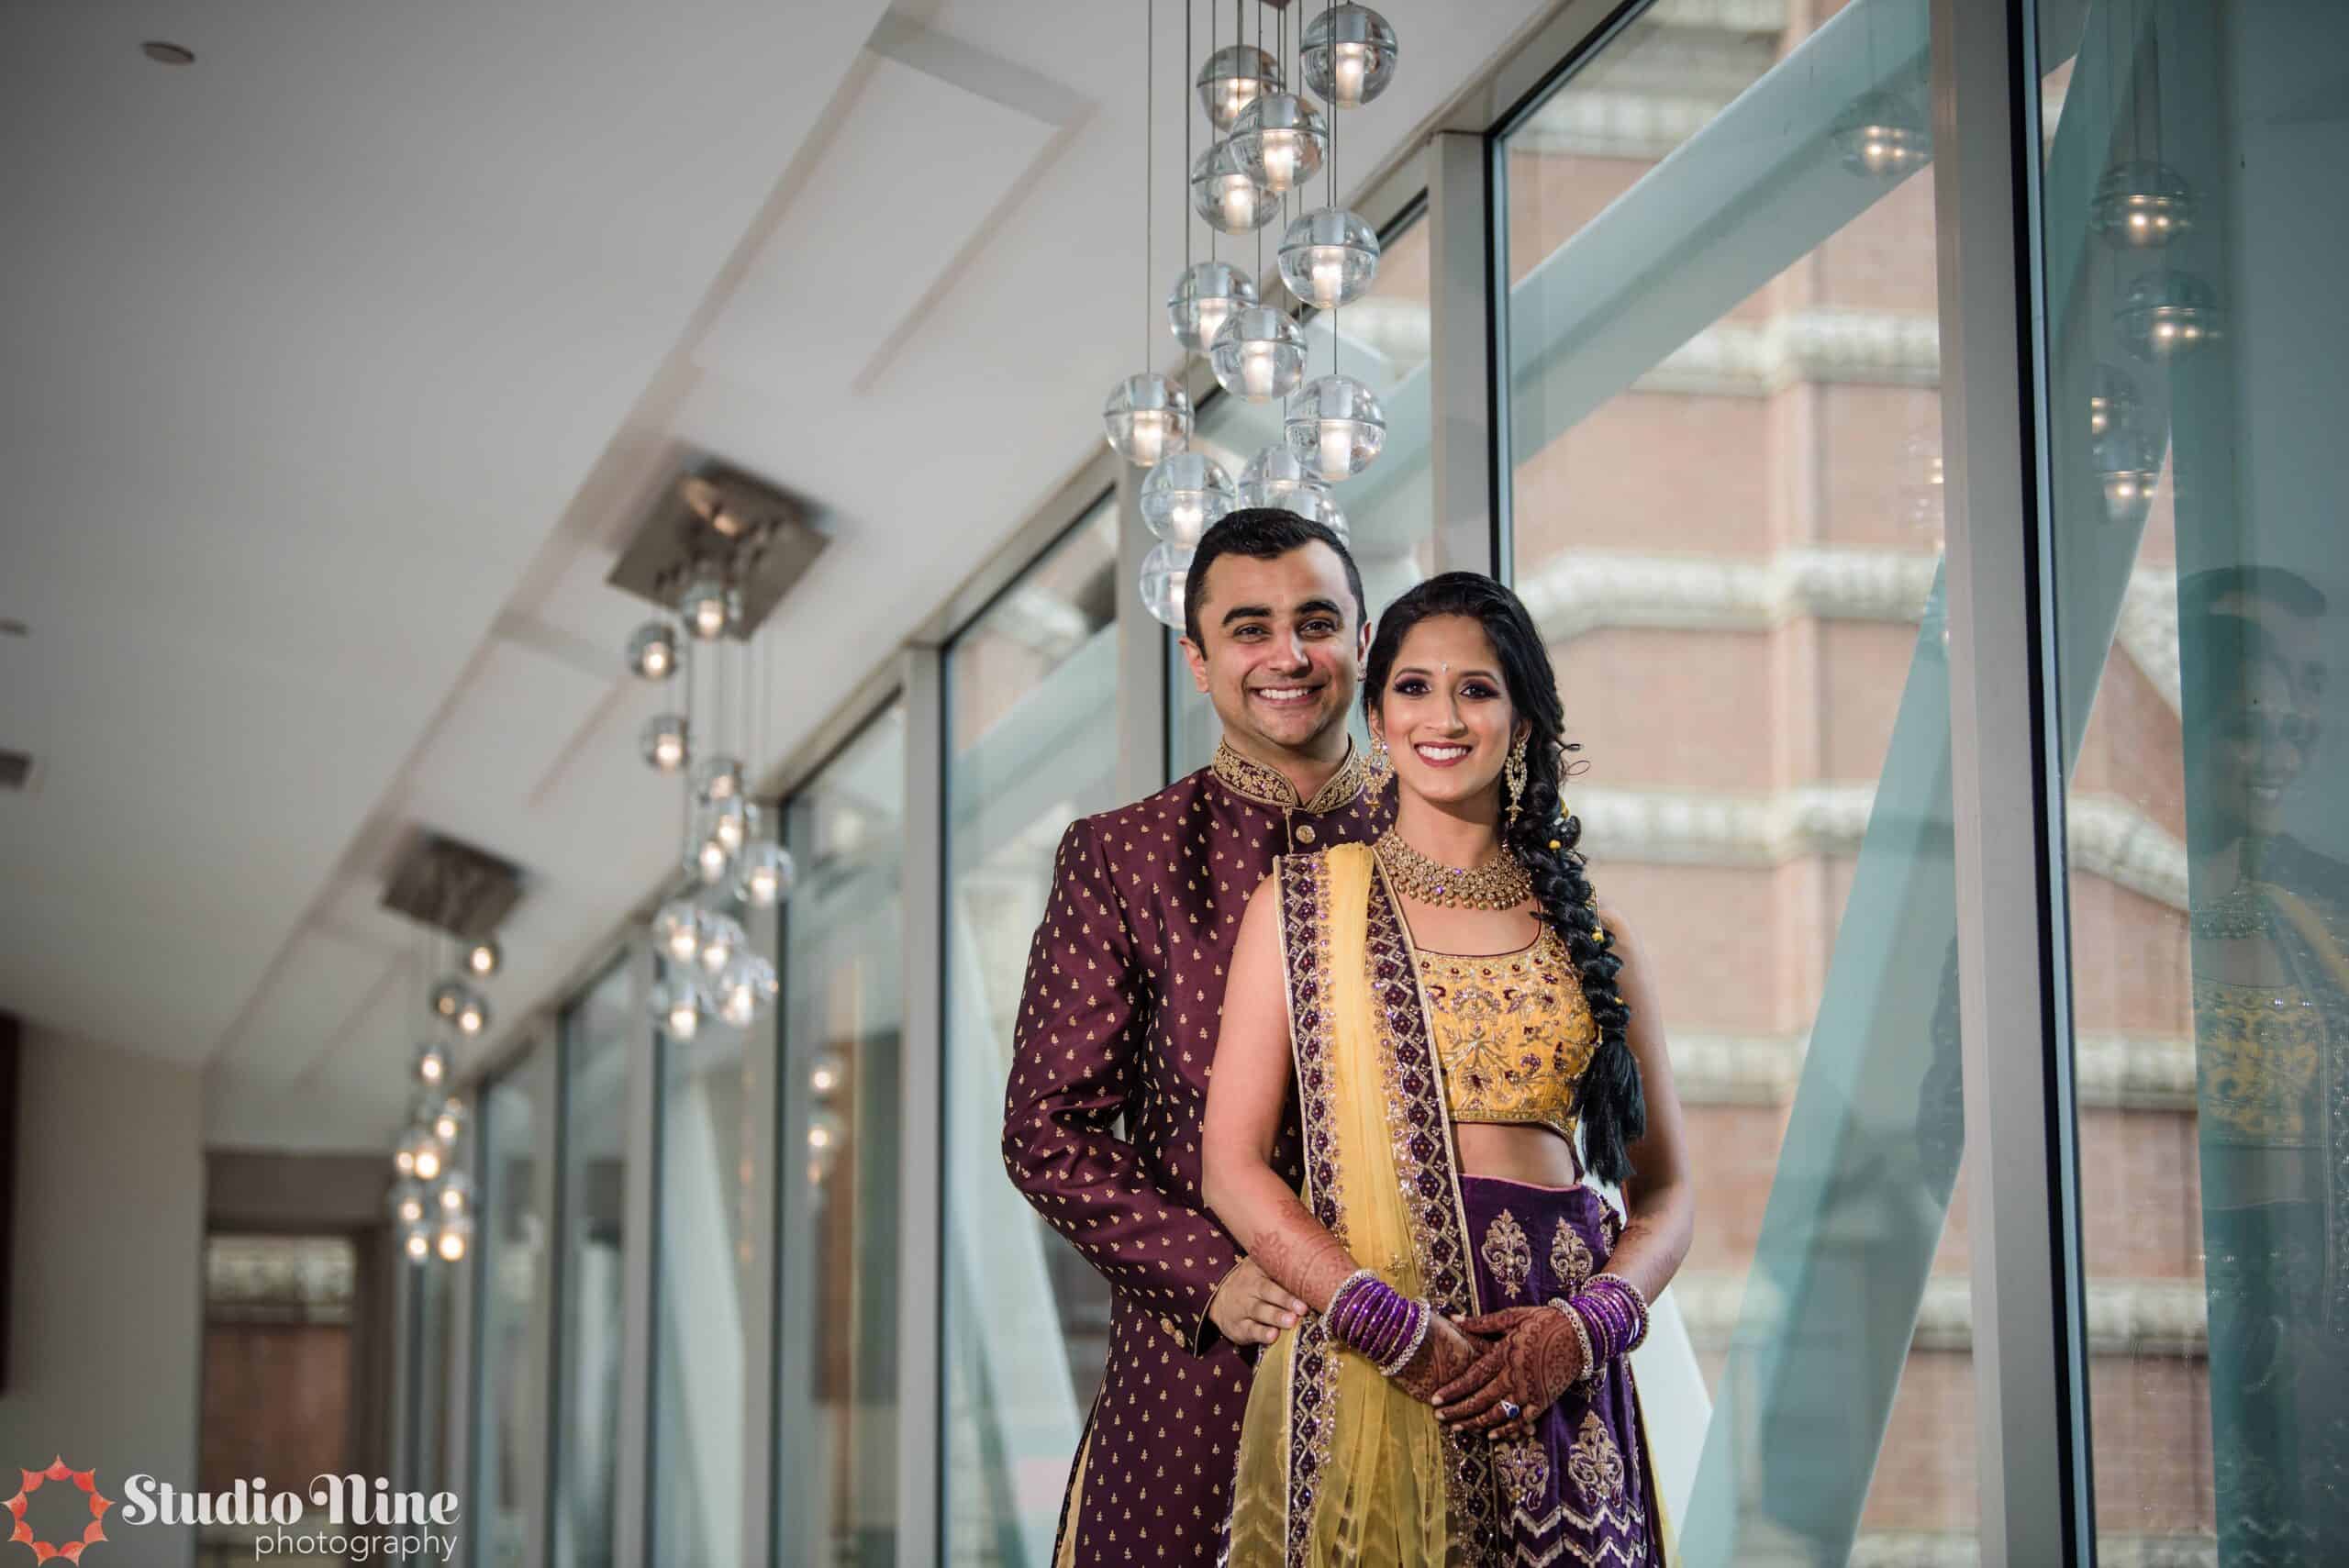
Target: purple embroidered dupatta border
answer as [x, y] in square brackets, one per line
[1420, 1126]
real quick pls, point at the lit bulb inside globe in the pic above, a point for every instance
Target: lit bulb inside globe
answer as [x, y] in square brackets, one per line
[824, 1079]
[710, 860]
[1150, 436]
[411, 1209]
[452, 1199]
[1238, 206]
[1337, 451]
[685, 1018]
[444, 1127]
[1349, 67]
[453, 1245]
[432, 1066]
[1257, 369]
[819, 1137]
[483, 959]
[404, 1161]
[1329, 275]
[1280, 159]
[723, 939]
[473, 1018]
[419, 1247]
[428, 1164]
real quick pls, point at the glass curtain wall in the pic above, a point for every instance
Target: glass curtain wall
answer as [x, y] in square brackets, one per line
[1722, 341]
[1382, 341]
[598, 1032]
[510, 1328]
[702, 1258]
[2190, 237]
[1031, 708]
[840, 1157]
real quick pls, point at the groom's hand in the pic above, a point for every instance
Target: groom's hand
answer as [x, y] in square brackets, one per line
[1250, 1309]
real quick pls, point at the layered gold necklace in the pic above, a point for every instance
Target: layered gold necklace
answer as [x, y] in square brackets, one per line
[1499, 884]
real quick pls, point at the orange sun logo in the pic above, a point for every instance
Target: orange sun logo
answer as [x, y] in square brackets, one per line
[87, 1480]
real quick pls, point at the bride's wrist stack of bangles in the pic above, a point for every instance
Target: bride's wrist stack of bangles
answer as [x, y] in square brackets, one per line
[1372, 1318]
[1610, 1319]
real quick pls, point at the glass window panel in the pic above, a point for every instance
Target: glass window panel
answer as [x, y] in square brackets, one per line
[843, 1025]
[598, 1032]
[701, 1258]
[1381, 340]
[510, 1334]
[2194, 341]
[1031, 714]
[1722, 362]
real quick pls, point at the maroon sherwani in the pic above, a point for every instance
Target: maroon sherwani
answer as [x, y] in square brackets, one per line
[1119, 1021]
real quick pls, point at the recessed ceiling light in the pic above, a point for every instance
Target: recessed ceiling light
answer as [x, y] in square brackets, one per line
[163, 53]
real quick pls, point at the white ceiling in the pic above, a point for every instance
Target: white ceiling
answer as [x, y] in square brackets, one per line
[340, 362]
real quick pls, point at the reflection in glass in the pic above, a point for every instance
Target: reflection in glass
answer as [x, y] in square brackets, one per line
[838, 1156]
[1031, 744]
[1723, 358]
[2209, 873]
[509, 1423]
[598, 1031]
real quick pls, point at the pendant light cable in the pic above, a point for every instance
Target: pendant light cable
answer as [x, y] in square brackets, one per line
[1148, 139]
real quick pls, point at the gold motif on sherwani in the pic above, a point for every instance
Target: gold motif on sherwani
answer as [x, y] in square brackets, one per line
[1252, 780]
[1595, 1465]
[1570, 1263]
[1509, 1254]
[1524, 1469]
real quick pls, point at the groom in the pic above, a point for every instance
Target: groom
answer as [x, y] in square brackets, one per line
[1118, 1024]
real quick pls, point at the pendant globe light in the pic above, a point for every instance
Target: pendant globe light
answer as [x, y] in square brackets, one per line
[484, 959]
[1329, 257]
[448, 1121]
[676, 930]
[1223, 192]
[2128, 470]
[1232, 78]
[1349, 55]
[663, 743]
[746, 990]
[1281, 140]
[1879, 134]
[1147, 418]
[722, 938]
[2113, 401]
[1259, 355]
[1335, 427]
[1164, 573]
[1275, 478]
[407, 1201]
[680, 1006]
[2142, 205]
[765, 875]
[653, 650]
[431, 1065]
[2167, 314]
[1205, 297]
[708, 605]
[718, 778]
[1184, 497]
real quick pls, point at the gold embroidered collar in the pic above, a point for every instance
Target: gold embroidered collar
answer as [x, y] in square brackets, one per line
[1270, 787]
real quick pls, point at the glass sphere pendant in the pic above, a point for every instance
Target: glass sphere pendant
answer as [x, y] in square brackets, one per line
[1329, 257]
[1205, 297]
[715, 779]
[1185, 496]
[663, 743]
[1147, 418]
[1229, 198]
[1231, 79]
[1275, 478]
[2128, 469]
[1259, 355]
[2167, 313]
[1165, 572]
[2113, 401]
[653, 650]
[1348, 53]
[680, 1006]
[1880, 134]
[1335, 427]
[676, 931]
[764, 876]
[722, 938]
[2142, 205]
[709, 606]
[746, 990]
[1281, 140]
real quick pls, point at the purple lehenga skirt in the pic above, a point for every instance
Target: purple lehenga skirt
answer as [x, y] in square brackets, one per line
[1579, 1490]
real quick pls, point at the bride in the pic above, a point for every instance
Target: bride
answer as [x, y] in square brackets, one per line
[1444, 1010]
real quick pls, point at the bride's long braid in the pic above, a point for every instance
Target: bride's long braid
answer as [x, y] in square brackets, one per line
[1611, 1106]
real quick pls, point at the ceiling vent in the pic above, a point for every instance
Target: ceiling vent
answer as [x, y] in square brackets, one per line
[453, 887]
[15, 770]
[723, 522]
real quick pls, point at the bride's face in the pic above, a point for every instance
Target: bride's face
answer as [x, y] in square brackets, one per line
[1446, 715]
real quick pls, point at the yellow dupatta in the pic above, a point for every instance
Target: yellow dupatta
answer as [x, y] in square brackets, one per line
[1336, 1464]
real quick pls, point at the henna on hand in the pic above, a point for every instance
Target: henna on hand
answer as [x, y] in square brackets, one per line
[1447, 1353]
[1538, 1359]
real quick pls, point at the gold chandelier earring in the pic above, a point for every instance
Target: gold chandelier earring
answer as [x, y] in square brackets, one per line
[1513, 778]
[1381, 765]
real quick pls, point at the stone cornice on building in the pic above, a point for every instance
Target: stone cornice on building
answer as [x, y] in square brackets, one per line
[1585, 590]
[2111, 1072]
[2136, 1318]
[1823, 344]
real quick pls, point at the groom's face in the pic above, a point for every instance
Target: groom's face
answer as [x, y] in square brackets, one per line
[1280, 648]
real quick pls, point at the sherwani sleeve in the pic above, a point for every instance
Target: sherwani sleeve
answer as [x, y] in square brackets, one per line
[1076, 1062]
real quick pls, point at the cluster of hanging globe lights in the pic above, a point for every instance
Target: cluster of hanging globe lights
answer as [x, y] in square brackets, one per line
[431, 1198]
[1270, 141]
[731, 860]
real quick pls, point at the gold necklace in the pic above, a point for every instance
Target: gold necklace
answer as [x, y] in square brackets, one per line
[1499, 883]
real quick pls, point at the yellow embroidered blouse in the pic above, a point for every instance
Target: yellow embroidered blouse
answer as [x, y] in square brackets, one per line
[1513, 1032]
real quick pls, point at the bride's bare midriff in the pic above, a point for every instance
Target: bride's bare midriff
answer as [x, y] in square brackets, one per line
[1522, 1153]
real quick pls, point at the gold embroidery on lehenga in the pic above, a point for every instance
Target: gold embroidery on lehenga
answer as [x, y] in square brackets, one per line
[1513, 1031]
[1596, 1464]
[1570, 1263]
[1524, 1469]
[2260, 1049]
[1509, 1254]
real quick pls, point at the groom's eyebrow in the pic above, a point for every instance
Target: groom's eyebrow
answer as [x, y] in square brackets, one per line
[1265, 612]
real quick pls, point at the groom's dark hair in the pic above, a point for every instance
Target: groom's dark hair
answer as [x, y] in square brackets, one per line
[1262, 533]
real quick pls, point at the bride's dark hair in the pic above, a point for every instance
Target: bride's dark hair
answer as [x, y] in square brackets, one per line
[1611, 1105]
